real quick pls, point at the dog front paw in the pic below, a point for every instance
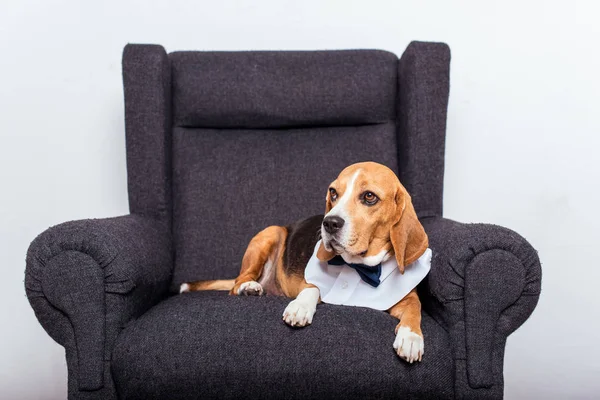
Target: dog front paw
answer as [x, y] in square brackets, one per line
[250, 288]
[409, 345]
[298, 313]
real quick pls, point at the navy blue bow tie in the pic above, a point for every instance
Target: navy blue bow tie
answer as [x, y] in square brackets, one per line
[367, 273]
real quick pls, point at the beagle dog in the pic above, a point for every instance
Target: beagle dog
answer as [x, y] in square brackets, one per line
[369, 222]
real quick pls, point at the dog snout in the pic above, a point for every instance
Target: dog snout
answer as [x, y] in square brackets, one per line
[333, 224]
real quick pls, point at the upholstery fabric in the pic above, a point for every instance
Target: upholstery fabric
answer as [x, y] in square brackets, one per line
[283, 89]
[423, 89]
[485, 281]
[86, 279]
[228, 185]
[147, 91]
[212, 345]
[221, 145]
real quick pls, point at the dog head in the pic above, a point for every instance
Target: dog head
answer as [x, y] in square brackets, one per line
[369, 216]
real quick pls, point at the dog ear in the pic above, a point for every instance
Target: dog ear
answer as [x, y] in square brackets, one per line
[328, 206]
[407, 235]
[323, 254]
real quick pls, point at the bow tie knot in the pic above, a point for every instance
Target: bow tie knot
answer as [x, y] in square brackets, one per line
[369, 274]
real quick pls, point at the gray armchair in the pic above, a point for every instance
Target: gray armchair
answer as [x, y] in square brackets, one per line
[222, 144]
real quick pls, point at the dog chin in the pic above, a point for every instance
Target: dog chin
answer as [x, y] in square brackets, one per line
[339, 249]
[333, 245]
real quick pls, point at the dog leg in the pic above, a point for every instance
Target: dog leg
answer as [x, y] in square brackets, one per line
[250, 288]
[262, 248]
[221, 284]
[301, 310]
[409, 344]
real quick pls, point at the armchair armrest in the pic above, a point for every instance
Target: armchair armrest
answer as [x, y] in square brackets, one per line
[86, 279]
[485, 281]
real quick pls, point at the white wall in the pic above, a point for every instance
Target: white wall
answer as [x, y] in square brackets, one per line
[523, 134]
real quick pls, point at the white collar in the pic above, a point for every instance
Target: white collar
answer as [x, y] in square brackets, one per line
[342, 285]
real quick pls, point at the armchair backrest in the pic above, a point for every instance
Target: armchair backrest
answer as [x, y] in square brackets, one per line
[223, 144]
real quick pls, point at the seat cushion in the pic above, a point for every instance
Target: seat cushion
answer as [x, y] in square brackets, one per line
[211, 345]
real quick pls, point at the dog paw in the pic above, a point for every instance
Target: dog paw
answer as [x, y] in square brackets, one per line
[408, 345]
[298, 313]
[250, 288]
[184, 288]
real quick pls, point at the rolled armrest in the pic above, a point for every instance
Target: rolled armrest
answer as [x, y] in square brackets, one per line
[485, 281]
[86, 279]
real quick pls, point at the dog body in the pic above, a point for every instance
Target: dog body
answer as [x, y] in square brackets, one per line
[368, 219]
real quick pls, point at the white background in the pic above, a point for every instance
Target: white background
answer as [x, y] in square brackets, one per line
[522, 143]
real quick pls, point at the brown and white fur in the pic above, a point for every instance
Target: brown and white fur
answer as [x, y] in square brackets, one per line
[369, 218]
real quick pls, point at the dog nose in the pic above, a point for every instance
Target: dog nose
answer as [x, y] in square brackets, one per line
[333, 224]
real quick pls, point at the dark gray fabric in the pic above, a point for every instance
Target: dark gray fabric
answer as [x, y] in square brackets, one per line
[86, 279]
[317, 113]
[147, 91]
[230, 184]
[485, 281]
[423, 88]
[276, 89]
[211, 345]
[80, 296]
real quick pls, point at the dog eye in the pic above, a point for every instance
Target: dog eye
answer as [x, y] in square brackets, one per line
[333, 194]
[370, 198]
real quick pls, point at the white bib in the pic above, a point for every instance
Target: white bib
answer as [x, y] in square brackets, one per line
[342, 285]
